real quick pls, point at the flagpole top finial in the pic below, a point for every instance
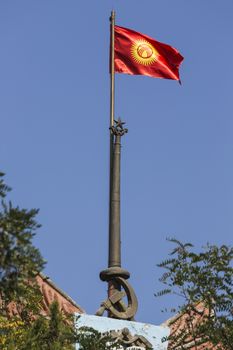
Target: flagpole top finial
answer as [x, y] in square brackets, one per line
[113, 15]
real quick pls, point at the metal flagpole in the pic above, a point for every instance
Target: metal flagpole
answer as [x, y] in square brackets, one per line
[112, 112]
[112, 95]
[115, 275]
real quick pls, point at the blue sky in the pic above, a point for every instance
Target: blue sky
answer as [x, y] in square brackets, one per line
[176, 159]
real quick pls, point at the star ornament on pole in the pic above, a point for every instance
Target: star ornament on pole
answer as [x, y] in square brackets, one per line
[118, 129]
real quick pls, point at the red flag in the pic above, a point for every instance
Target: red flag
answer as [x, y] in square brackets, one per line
[136, 53]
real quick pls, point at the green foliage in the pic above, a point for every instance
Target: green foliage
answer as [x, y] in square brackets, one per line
[204, 281]
[90, 339]
[20, 261]
[4, 189]
[55, 332]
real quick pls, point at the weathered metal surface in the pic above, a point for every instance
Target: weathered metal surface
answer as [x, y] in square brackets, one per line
[114, 234]
[115, 305]
[114, 274]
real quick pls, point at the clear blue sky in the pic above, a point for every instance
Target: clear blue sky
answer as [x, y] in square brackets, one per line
[177, 172]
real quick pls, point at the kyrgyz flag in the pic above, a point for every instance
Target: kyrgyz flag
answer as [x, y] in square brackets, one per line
[136, 53]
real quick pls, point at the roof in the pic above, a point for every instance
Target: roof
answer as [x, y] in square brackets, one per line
[177, 325]
[52, 293]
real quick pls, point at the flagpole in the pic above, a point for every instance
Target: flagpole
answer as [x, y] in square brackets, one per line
[112, 94]
[111, 286]
[115, 275]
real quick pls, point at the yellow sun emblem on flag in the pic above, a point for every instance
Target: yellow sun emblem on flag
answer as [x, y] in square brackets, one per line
[144, 52]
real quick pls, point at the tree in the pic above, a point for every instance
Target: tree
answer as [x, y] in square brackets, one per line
[20, 262]
[90, 339]
[55, 332]
[22, 327]
[204, 282]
